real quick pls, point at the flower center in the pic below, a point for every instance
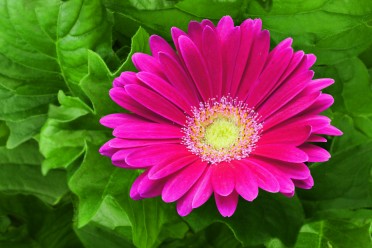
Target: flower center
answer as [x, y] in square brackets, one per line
[222, 133]
[223, 130]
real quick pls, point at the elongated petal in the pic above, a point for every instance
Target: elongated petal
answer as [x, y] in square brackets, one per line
[147, 131]
[178, 185]
[227, 204]
[282, 152]
[295, 135]
[162, 107]
[223, 179]
[246, 183]
[204, 189]
[315, 153]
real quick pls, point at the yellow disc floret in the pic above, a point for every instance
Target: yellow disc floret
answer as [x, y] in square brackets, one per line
[222, 133]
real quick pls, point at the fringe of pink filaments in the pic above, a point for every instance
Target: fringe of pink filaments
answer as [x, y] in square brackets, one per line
[237, 112]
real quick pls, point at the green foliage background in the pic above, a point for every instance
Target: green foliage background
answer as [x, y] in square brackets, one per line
[57, 62]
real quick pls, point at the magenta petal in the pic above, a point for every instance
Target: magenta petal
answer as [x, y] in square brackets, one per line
[323, 102]
[196, 65]
[256, 62]
[162, 107]
[264, 178]
[329, 130]
[319, 84]
[152, 155]
[292, 170]
[204, 189]
[211, 46]
[171, 165]
[178, 185]
[165, 89]
[295, 135]
[225, 25]
[315, 153]
[307, 183]
[295, 106]
[246, 184]
[114, 120]
[145, 62]
[316, 138]
[147, 131]
[178, 77]
[223, 178]
[130, 143]
[148, 188]
[107, 150]
[120, 96]
[227, 204]
[158, 44]
[185, 203]
[133, 193]
[176, 33]
[118, 159]
[282, 152]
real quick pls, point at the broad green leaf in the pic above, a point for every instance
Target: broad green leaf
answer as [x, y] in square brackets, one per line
[28, 222]
[21, 173]
[213, 9]
[342, 183]
[254, 223]
[107, 202]
[334, 233]
[43, 46]
[67, 129]
[333, 30]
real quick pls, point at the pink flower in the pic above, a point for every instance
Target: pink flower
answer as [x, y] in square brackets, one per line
[221, 115]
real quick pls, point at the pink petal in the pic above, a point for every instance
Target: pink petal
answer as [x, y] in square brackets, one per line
[329, 130]
[178, 185]
[158, 44]
[316, 153]
[152, 155]
[211, 47]
[148, 188]
[130, 143]
[145, 62]
[316, 138]
[196, 66]
[176, 33]
[162, 107]
[281, 152]
[118, 159]
[133, 193]
[127, 77]
[319, 84]
[179, 79]
[165, 89]
[227, 204]
[286, 92]
[223, 179]
[224, 26]
[147, 131]
[171, 165]
[207, 22]
[185, 203]
[265, 180]
[256, 62]
[323, 102]
[307, 183]
[203, 189]
[249, 30]
[268, 80]
[294, 135]
[114, 120]
[107, 150]
[292, 170]
[295, 106]
[246, 184]
[120, 96]
[195, 30]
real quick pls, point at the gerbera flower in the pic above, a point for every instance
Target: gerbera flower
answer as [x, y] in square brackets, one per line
[220, 115]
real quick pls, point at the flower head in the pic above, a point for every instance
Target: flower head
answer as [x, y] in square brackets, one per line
[221, 115]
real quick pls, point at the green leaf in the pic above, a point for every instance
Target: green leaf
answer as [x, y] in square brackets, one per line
[107, 202]
[20, 173]
[342, 183]
[67, 129]
[334, 233]
[43, 46]
[254, 223]
[28, 222]
[346, 34]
